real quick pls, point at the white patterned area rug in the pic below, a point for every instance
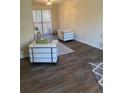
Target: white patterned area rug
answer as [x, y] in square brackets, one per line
[63, 49]
[97, 69]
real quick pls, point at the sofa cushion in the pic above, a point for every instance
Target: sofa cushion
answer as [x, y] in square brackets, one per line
[42, 41]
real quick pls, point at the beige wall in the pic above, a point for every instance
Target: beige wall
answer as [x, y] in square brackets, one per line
[85, 18]
[26, 26]
[54, 13]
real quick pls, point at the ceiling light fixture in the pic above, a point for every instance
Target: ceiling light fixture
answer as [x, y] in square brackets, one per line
[49, 2]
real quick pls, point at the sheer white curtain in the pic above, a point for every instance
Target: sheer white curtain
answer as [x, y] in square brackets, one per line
[42, 21]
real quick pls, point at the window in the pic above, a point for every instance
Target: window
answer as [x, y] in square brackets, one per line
[42, 21]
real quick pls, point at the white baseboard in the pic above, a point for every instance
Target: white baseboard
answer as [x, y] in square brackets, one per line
[101, 48]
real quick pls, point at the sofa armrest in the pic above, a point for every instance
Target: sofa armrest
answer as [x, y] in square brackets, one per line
[54, 43]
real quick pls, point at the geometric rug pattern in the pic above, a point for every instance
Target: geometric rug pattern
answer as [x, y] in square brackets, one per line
[97, 69]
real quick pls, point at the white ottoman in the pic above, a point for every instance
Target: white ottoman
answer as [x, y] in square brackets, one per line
[65, 34]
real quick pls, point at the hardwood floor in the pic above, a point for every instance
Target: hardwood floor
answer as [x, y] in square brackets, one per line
[72, 74]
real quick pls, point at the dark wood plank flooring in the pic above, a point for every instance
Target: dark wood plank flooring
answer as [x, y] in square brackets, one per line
[72, 74]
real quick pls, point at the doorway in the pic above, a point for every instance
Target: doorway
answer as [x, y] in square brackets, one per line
[42, 21]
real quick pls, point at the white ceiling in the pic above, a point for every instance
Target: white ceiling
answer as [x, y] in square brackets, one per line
[44, 1]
